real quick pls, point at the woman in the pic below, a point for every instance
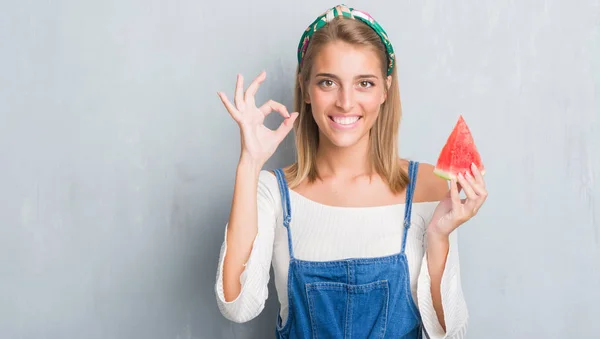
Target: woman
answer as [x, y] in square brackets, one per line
[361, 241]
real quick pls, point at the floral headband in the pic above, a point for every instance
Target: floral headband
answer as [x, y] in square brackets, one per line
[343, 10]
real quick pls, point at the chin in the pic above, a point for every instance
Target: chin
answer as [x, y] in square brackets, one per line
[343, 140]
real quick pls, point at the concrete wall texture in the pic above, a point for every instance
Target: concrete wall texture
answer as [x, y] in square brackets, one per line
[117, 158]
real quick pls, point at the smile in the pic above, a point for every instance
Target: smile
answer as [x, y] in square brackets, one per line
[341, 122]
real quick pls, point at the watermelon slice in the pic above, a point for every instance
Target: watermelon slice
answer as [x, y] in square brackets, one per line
[458, 153]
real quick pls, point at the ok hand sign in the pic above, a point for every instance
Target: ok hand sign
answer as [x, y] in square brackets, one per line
[258, 141]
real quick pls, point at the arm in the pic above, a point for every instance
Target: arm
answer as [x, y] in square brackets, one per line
[434, 188]
[242, 228]
[252, 208]
[437, 252]
[248, 271]
[445, 290]
[441, 274]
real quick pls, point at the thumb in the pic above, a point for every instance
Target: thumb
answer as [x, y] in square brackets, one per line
[286, 126]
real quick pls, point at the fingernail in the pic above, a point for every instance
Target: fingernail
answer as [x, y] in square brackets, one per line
[473, 165]
[461, 176]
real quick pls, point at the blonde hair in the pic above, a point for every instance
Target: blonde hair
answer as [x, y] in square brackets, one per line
[383, 137]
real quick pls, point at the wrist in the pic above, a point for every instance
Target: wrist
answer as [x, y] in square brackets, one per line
[247, 163]
[434, 234]
[437, 243]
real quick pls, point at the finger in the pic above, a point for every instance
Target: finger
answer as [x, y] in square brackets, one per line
[253, 88]
[286, 126]
[271, 106]
[235, 114]
[239, 93]
[475, 201]
[479, 190]
[454, 195]
[467, 187]
[477, 174]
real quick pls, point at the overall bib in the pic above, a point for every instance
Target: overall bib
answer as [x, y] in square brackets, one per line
[350, 298]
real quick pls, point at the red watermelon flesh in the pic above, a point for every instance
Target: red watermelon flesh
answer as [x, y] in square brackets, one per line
[458, 153]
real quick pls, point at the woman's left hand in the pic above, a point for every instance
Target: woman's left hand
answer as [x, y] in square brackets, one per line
[452, 212]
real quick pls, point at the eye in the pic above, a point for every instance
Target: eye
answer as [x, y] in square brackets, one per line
[326, 83]
[366, 84]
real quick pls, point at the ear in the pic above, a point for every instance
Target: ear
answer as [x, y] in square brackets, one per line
[305, 95]
[388, 84]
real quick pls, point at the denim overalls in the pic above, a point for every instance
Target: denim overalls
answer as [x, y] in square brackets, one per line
[350, 298]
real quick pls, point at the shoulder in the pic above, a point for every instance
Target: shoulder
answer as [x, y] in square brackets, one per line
[268, 194]
[429, 187]
[268, 180]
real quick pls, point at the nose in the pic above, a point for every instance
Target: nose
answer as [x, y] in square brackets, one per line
[345, 99]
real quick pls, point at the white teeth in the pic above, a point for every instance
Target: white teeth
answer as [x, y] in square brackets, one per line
[345, 120]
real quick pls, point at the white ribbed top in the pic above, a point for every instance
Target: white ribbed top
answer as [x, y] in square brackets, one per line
[323, 233]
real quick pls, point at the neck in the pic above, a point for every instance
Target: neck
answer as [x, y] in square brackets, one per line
[349, 161]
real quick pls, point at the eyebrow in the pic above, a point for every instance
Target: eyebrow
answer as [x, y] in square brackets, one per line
[330, 75]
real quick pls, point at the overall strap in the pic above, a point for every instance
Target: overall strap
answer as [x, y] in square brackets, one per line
[285, 206]
[413, 167]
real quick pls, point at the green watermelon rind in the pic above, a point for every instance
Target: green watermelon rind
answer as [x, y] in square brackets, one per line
[446, 174]
[442, 174]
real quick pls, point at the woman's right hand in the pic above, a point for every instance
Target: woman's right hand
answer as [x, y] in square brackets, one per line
[258, 143]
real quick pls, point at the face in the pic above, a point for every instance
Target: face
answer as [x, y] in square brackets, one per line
[346, 89]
